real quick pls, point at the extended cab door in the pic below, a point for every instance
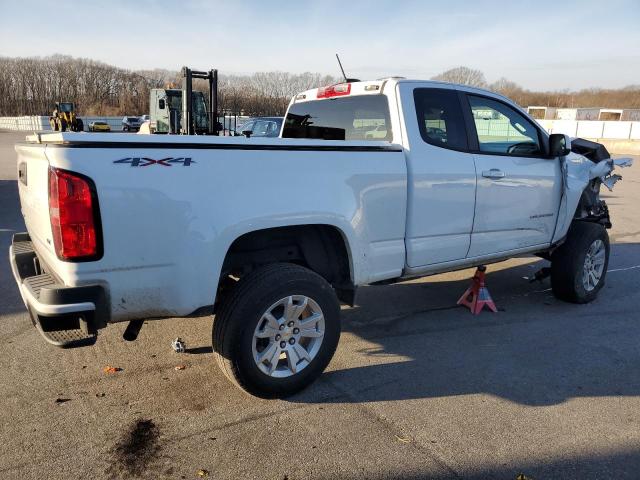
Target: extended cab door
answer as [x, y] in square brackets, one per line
[441, 175]
[518, 186]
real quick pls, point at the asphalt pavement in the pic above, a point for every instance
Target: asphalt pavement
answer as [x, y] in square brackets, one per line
[419, 388]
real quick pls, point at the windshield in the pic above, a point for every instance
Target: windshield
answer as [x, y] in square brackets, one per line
[66, 107]
[174, 100]
[364, 117]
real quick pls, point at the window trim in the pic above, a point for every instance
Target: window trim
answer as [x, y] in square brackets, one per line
[422, 128]
[474, 144]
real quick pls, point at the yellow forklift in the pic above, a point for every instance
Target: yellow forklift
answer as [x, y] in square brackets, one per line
[64, 118]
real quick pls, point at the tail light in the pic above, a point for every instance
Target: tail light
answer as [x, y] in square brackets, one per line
[334, 90]
[73, 209]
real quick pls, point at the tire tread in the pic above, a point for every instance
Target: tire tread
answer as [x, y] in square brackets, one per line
[569, 258]
[248, 285]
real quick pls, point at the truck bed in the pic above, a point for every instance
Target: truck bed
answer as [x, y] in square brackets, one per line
[170, 207]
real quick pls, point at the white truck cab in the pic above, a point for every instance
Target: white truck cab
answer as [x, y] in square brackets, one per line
[373, 181]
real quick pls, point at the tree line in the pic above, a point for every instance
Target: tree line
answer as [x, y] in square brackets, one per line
[628, 97]
[31, 86]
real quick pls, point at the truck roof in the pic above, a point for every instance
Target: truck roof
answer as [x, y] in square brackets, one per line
[377, 87]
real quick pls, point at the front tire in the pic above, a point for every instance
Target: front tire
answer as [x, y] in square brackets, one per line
[277, 330]
[579, 266]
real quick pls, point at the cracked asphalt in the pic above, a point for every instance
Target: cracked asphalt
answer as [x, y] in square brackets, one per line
[419, 388]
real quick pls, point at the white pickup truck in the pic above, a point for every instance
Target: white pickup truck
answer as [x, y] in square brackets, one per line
[369, 182]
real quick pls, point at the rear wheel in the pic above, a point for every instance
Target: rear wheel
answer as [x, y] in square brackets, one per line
[579, 266]
[277, 330]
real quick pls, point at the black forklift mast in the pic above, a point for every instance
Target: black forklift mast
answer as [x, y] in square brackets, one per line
[188, 75]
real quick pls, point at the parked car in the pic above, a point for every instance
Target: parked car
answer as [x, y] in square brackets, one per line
[145, 118]
[131, 124]
[272, 234]
[99, 126]
[378, 133]
[261, 127]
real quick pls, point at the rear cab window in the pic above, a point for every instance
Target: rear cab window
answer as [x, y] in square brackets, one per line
[358, 117]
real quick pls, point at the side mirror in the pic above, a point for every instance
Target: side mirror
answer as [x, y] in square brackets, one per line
[559, 145]
[161, 104]
[247, 133]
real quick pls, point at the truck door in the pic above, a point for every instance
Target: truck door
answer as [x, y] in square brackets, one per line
[518, 187]
[442, 176]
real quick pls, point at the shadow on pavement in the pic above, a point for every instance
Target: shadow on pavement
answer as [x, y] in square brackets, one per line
[12, 222]
[199, 350]
[603, 466]
[535, 351]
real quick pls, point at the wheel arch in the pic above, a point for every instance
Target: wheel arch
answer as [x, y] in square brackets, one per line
[322, 247]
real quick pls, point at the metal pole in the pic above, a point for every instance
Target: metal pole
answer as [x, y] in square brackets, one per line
[214, 103]
[187, 88]
[211, 128]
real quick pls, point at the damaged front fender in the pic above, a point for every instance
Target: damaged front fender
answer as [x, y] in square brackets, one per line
[582, 175]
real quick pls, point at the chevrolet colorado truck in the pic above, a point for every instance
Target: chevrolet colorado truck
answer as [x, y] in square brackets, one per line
[369, 182]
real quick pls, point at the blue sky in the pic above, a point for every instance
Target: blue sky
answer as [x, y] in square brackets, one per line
[540, 45]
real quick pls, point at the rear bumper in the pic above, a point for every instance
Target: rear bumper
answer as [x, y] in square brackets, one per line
[65, 316]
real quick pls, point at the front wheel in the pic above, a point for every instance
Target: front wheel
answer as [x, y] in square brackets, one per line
[579, 266]
[277, 330]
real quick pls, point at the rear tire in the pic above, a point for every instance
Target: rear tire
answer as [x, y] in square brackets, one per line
[579, 265]
[267, 347]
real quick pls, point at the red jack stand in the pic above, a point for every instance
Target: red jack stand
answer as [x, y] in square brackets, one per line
[477, 295]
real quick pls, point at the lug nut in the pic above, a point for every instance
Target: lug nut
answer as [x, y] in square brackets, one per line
[283, 344]
[290, 324]
[281, 327]
[296, 331]
[292, 341]
[278, 337]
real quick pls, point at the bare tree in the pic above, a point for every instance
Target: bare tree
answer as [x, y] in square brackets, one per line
[464, 76]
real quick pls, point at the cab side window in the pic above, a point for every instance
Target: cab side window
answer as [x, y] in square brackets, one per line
[502, 129]
[440, 118]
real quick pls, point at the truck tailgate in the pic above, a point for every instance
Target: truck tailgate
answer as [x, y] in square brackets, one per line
[33, 183]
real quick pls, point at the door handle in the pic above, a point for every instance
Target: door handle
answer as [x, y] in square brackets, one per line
[493, 173]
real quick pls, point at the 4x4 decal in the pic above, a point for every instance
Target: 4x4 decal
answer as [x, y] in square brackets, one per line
[165, 162]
